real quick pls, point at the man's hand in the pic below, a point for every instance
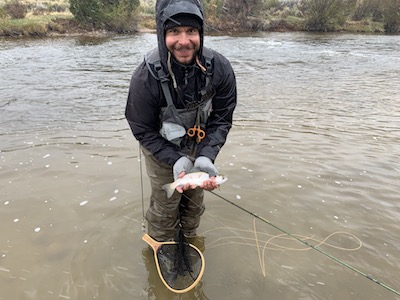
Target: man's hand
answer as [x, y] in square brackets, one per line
[205, 164]
[210, 184]
[182, 165]
[187, 186]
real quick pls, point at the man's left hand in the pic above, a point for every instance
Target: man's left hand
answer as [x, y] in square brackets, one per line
[210, 184]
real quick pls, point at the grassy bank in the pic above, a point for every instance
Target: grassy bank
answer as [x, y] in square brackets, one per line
[45, 22]
[64, 24]
[35, 25]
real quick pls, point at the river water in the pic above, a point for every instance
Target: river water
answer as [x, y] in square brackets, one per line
[314, 150]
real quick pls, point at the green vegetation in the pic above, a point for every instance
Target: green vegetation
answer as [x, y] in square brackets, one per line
[20, 18]
[15, 10]
[112, 15]
[34, 17]
[308, 15]
[326, 15]
[391, 15]
[38, 18]
[32, 26]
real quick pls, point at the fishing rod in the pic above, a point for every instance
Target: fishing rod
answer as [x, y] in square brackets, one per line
[311, 246]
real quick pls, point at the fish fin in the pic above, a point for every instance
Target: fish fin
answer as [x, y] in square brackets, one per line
[168, 189]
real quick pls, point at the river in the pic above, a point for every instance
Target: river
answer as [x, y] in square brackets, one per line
[314, 151]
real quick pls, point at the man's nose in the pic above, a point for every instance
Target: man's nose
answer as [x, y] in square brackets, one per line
[184, 39]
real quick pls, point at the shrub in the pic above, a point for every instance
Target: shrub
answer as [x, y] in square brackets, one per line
[16, 10]
[325, 15]
[23, 27]
[368, 9]
[391, 15]
[58, 7]
[115, 15]
[3, 13]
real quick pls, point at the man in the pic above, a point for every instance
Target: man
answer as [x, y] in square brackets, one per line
[180, 106]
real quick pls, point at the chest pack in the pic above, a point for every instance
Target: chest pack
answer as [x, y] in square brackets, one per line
[176, 123]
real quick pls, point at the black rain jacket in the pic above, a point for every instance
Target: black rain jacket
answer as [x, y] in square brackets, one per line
[146, 98]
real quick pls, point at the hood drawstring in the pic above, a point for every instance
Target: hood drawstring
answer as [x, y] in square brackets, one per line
[169, 66]
[170, 70]
[202, 68]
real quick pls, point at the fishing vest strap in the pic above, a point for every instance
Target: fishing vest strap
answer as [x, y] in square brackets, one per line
[153, 63]
[164, 83]
[208, 55]
[173, 122]
[156, 69]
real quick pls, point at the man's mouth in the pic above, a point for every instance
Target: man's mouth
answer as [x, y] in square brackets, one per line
[184, 48]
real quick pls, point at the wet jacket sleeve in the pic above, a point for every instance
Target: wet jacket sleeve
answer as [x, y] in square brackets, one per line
[143, 115]
[223, 104]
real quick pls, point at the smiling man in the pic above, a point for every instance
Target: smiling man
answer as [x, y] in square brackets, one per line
[180, 108]
[183, 42]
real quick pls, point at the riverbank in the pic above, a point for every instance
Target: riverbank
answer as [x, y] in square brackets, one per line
[45, 25]
[65, 24]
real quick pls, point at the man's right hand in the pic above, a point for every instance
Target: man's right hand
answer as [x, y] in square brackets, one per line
[186, 187]
[182, 165]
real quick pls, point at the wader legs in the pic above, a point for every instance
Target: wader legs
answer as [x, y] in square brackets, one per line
[165, 214]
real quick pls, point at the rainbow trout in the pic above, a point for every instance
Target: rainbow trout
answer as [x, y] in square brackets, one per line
[194, 179]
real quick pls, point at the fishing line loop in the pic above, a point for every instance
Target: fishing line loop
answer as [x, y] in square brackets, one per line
[315, 247]
[293, 236]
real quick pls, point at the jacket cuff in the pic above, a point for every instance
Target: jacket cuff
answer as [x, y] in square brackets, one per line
[209, 152]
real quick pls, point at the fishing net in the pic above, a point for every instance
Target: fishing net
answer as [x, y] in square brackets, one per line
[179, 264]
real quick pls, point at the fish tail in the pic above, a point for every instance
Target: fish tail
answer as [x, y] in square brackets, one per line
[169, 189]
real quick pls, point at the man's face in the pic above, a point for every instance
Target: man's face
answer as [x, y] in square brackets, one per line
[183, 42]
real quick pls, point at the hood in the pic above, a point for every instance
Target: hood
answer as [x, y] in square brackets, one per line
[166, 9]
